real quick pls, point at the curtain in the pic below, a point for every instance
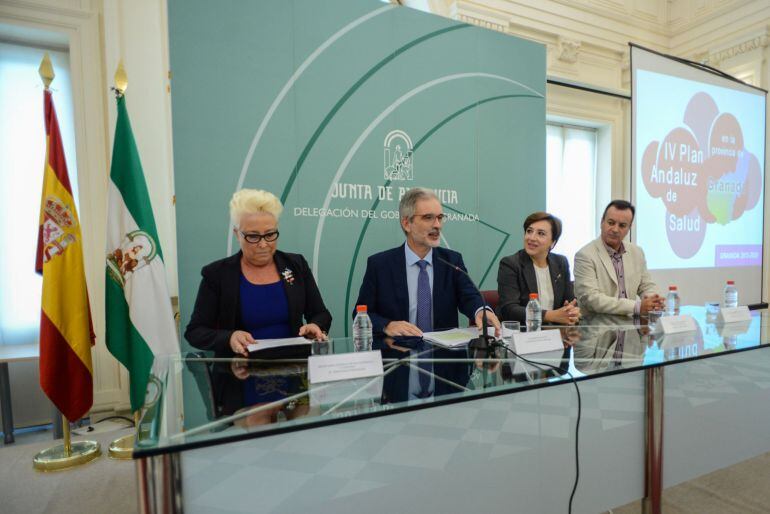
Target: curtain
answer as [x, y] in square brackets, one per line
[571, 185]
[22, 155]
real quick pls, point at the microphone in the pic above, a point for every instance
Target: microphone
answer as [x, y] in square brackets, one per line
[484, 342]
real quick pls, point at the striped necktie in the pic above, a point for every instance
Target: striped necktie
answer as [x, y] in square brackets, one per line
[424, 299]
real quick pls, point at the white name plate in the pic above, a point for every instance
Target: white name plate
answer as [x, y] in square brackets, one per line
[526, 343]
[343, 366]
[676, 324]
[733, 314]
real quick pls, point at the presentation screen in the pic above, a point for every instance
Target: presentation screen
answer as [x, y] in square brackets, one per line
[698, 154]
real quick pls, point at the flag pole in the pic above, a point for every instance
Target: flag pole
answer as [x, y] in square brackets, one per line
[122, 448]
[68, 454]
[66, 437]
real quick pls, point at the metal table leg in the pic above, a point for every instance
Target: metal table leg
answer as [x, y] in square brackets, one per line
[653, 466]
[5, 403]
[159, 482]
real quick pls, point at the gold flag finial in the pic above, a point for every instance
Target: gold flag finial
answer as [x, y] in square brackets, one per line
[121, 79]
[46, 70]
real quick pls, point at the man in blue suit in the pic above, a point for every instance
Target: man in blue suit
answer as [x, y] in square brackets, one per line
[418, 287]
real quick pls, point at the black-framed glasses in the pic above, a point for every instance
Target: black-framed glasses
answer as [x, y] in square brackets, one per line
[256, 238]
[430, 218]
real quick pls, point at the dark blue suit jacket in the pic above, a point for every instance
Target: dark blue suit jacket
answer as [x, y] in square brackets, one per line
[386, 295]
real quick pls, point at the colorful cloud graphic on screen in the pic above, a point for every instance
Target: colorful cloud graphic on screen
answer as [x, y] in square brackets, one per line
[702, 173]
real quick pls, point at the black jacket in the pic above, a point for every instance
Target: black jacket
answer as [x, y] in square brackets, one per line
[516, 280]
[217, 312]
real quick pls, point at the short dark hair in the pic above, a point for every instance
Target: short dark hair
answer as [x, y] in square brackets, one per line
[621, 205]
[544, 216]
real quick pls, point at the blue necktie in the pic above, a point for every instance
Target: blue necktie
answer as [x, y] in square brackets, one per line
[424, 299]
[424, 323]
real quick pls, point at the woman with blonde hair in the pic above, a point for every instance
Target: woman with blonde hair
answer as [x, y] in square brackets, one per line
[258, 293]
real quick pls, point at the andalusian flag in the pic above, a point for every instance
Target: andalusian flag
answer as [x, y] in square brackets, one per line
[140, 321]
[66, 334]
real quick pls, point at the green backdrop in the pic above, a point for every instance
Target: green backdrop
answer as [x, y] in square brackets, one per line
[337, 106]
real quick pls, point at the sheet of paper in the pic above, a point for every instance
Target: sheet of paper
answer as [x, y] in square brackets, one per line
[264, 344]
[537, 342]
[343, 366]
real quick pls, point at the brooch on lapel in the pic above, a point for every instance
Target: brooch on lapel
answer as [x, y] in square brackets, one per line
[288, 276]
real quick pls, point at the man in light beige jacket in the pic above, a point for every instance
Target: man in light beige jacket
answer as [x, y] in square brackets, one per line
[611, 275]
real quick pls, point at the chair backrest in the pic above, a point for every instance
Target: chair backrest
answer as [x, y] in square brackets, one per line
[491, 298]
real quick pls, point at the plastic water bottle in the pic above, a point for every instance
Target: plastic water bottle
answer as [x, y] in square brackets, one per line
[672, 300]
[731, 295]
[534, 314]
[362, 330]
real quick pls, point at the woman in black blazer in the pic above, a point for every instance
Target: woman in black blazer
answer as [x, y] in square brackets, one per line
[258, 293]
[534, 269]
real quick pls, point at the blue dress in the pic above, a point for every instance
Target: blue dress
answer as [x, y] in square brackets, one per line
[265, 314]
[264, 310]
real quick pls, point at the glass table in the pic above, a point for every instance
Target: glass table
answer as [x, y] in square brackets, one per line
[263, 425]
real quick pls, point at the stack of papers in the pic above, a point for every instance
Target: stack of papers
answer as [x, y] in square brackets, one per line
[454, 338]
[264, 344]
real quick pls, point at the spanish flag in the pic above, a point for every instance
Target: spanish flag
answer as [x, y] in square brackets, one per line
[66, 333]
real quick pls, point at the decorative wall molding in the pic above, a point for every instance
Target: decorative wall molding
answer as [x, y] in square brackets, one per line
[685, 15]
[65, 8]
[568, 50]
[648, 15]
[586, 40]
[479, 15]
[755, 42]
[481, 22]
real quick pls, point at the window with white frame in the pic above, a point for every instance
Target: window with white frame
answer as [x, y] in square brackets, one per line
[22, 157]
[571, 176]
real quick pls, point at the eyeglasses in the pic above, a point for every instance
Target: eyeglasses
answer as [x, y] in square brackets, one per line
[256, 238]
[430, 218]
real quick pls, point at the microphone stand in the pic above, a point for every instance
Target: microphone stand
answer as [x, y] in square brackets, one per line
[485, 342]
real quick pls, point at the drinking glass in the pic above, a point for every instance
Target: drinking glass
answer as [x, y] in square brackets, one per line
[509, 328]
[653, 317]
